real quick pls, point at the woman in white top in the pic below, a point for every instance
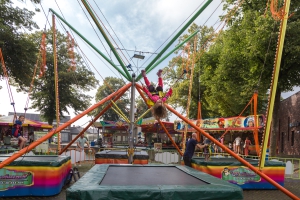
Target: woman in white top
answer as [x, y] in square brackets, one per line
[237, 142]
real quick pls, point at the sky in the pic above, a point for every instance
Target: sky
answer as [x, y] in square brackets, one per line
[143, 27]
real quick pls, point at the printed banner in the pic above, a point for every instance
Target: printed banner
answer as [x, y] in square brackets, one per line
[11, 178]
[240, 175]
[222, 123]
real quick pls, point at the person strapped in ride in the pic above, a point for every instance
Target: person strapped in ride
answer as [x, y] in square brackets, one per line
[17, 130]
[156, 96]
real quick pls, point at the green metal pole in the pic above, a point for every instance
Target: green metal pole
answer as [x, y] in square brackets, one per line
[106, 38]
[98, 51]
[176, 36]
[177, 47]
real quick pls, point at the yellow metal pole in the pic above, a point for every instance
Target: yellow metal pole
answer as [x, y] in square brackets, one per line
[120, 114]
[56, 81]
[274, 83]
[145, 113]
[119, 111]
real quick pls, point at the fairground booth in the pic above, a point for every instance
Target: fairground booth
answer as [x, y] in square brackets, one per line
[230, 128]
[30, 127]
[228, 168]
[115, 134]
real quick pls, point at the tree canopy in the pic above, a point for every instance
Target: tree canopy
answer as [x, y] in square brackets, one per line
[240, 61]
[110, 85]
[257, 26]
[18, 50]
[72, 85]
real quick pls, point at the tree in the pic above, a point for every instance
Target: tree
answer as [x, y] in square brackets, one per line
[72, 86]
[289, 71]
[180, 82]
[110, 85]
[18, 50]
[234, 64]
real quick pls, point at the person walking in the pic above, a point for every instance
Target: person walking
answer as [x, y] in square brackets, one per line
[80, 144]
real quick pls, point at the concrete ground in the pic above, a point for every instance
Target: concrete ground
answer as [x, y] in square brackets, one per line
[290, 184]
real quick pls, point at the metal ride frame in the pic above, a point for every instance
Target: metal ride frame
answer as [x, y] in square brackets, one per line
[133, 85]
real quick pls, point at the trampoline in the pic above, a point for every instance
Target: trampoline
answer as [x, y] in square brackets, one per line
[34, 175]
[120, 157]
[233, 171]
[150, 182]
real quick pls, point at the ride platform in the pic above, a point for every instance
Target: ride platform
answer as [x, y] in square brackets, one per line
[150, 182]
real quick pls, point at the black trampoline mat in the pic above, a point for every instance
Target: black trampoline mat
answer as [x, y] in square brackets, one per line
[150, 175]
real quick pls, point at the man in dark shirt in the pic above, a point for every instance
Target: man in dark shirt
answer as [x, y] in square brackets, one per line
[190, 149]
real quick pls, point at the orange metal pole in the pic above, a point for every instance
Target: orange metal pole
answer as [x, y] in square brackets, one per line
[167, 132]
[199, 110]
[224, 133]
[241, 114]
[91, 123]
[56, 81]
[139, 89]
[199, 117]
[51, 133]
[256, 123]
[257, 171]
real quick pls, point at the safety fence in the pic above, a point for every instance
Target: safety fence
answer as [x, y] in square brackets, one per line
[87, 155]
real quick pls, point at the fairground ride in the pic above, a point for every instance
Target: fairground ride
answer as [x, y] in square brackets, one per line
[133, 84]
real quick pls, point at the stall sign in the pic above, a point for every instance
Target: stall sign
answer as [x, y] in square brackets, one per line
[10, 179]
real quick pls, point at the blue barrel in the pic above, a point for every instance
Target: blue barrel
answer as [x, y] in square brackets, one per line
[92, 144]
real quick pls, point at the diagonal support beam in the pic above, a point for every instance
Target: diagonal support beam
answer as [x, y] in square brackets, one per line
[91, 45]
[176, 36]
[106, 38]
[244, 162]
[176, 48]
[92, 122]
[65, 125]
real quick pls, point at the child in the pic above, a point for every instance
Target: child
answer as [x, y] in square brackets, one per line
[16, 131]
[206, 149]
[158, 110]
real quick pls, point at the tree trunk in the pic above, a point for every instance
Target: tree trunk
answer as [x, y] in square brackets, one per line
[275, 125]
[50, 122]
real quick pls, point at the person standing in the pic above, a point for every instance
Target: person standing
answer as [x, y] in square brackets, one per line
[80, 143]
[222, 142]
[190, 149]
[17, 130]
[247, 144]
[237, 143]
[206, 149]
